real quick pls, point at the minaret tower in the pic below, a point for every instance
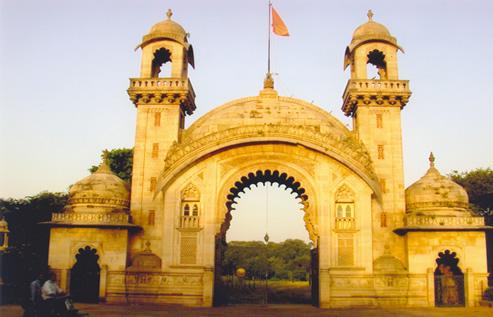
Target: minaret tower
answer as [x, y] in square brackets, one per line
[163, 96]
[375, 105]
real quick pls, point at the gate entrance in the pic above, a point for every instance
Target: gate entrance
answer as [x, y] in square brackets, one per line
[449, 280]
[84, 276]
[264, 272]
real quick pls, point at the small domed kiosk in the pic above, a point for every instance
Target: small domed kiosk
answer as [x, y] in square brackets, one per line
[90, 236]
[444, 240]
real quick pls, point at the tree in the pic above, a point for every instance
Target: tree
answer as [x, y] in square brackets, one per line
[479, 186]
[120, 163]
[288, 259]
[28, 242]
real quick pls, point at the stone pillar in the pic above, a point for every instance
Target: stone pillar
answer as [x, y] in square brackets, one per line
[324, 287]
[64, 279]
[470, 297]
[430, 278]
[208, 286]
[103, 274]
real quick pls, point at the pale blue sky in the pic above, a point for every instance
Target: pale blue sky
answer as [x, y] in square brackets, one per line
[64, 69]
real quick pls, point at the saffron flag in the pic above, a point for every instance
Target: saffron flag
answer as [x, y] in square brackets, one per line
[278, 26]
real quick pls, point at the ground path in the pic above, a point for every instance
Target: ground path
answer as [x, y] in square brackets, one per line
[103, 310]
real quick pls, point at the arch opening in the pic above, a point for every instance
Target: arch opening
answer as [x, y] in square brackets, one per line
[85, 276]
[449, 280]
[161, 63]
[243, 278]
[377, 59]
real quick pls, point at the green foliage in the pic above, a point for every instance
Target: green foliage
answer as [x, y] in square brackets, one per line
[120, 163]
[28, 241]
[479, 186]
[285, 260]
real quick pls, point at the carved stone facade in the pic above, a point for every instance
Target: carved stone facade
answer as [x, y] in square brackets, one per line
[376, 242]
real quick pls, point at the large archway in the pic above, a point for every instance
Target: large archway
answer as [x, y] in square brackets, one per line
[85, 275]
[223, 289]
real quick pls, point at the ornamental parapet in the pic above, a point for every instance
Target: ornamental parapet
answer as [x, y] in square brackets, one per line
[442, 223]
[374, 92]
[159, 91]
[89, 218]
[446, 221]
[416, 207]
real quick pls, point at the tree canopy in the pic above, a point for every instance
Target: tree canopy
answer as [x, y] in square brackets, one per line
[28, 241]
[284, 260]
[479, 186]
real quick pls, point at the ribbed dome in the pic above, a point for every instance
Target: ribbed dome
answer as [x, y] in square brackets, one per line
[167, 29]
[436, 194]
[371, 29]
[100, 192]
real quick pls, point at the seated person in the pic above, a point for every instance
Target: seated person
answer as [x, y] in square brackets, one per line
[53, 295]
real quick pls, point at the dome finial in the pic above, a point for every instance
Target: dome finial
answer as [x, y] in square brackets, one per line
[105, 156]
[370, 15]
[431, 158]
[147, 246]
[169, 14]
[268, 81]
[104, 167]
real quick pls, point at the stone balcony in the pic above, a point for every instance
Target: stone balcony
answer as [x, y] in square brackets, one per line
[345, 224]
[374, 92]
[163, 91]
[190, 222]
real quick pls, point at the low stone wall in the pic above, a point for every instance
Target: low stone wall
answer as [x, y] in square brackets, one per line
[155, 287]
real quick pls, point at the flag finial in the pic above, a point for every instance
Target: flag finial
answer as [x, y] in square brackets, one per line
[370, 15]
[169, 14]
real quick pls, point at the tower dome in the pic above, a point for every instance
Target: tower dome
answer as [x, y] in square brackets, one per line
[166, 29]
[100, 192]
[436, 194]
[371, 31]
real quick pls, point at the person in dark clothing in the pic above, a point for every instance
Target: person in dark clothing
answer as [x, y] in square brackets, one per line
[34, 307]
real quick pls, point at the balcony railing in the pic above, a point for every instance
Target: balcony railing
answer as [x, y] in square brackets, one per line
[376, 85]
[189, 222]
[160, 83]
[345, 223]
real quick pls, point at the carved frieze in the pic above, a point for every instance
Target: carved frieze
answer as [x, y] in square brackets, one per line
[345, 145]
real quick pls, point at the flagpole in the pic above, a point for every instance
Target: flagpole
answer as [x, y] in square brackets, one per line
[268, 45]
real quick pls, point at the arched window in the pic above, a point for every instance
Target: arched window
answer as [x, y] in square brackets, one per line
[186, 210]
[349, 211]
[377, 59]
[340, 211]
[161, 57]
[190, 202]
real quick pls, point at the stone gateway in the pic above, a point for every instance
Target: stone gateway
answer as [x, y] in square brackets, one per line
[376, 243]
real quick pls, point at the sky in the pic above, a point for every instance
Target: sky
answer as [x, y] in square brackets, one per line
[65, 64]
